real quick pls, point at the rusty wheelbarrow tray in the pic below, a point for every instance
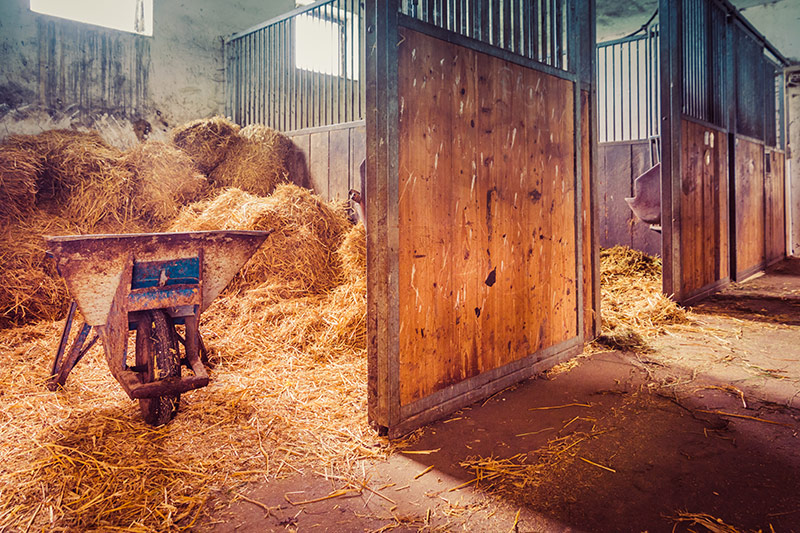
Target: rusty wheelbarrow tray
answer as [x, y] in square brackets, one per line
[148, 283]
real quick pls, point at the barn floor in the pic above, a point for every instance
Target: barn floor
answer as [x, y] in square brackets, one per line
[705, 424]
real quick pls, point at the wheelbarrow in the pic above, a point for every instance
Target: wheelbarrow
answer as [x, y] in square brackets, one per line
[148, 283]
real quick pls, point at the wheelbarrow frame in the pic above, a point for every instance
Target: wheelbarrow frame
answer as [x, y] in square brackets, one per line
[93, 262]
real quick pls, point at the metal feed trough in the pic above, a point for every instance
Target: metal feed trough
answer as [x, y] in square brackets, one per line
[147, 283]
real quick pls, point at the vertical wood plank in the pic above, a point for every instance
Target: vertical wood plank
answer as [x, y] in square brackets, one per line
[468, 258]
[339, 164]
[358, 152]
[318, 163]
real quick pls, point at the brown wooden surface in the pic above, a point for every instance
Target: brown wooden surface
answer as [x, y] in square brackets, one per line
[775, 208]
[487, 252]
[704, 213]
[327, 159]
[749, 195]
[589, 306]
[619, 164]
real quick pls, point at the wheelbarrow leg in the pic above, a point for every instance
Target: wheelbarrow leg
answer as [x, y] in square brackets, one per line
[63, 366]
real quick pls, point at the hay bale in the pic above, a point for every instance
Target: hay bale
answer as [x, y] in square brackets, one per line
[206, 141]
[165, 179]
[257, 162]
[19, 170]
[300, 253]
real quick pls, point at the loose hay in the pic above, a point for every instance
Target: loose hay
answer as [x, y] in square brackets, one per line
[165, 179]
[353, 254]
[82, 459]
[19, 170]
[30, 287]
[288, 390]
[633, 306]
[256, 162]
[299, 254]
[80, 176]
[206, 141]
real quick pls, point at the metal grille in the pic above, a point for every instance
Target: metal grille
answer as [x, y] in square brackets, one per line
[301, 70]
[780, 114]
[628, 102]
[704, 53]
[750, 89]
[534, 29]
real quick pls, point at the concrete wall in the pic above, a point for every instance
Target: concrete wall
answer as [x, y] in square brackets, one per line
[57, 73]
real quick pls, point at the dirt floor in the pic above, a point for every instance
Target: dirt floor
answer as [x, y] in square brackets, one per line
[698, 433]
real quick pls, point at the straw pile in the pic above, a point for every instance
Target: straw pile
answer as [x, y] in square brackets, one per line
[65, 182]
[633, 306]
[19, 170]
[298, 256]
[256, 162]
[82, 458]
[206, 141]
[79, 175]
[165, 179]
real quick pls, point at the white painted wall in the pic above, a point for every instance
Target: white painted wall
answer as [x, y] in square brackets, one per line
[177, 73]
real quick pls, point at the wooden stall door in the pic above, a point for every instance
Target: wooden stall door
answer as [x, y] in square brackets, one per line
[488, 227]
[750, 229]
[775, 207]
[704, 210]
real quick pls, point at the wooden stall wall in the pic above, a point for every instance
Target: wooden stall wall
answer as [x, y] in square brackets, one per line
[704, 210]
[487, 236]
[327, 158]
[775, 207]
[749, 207]
[619, 164]
[590, 316]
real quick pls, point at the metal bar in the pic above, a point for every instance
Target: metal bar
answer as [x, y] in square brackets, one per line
[506, 25]
[671, 54]
[450, 37]
[579, 178]
[605, 89]
[543, 32]
[638, 91]
[630, 94]
[561, 45]
[614, 93]
[271, 22]
[535, 30]
[554, 59]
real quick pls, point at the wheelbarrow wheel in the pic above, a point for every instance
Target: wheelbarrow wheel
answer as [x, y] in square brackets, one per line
[158, 356]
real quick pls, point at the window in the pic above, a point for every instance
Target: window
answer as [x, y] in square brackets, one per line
[135, 16]
[325, 42]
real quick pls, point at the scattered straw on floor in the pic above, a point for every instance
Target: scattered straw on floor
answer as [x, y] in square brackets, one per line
[633, 307]
[715, 525]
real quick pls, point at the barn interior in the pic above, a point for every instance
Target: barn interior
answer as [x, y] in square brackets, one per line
[457, 322]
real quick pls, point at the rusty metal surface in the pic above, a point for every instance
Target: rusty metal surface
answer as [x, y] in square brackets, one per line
[646, 201]
[93, 264]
